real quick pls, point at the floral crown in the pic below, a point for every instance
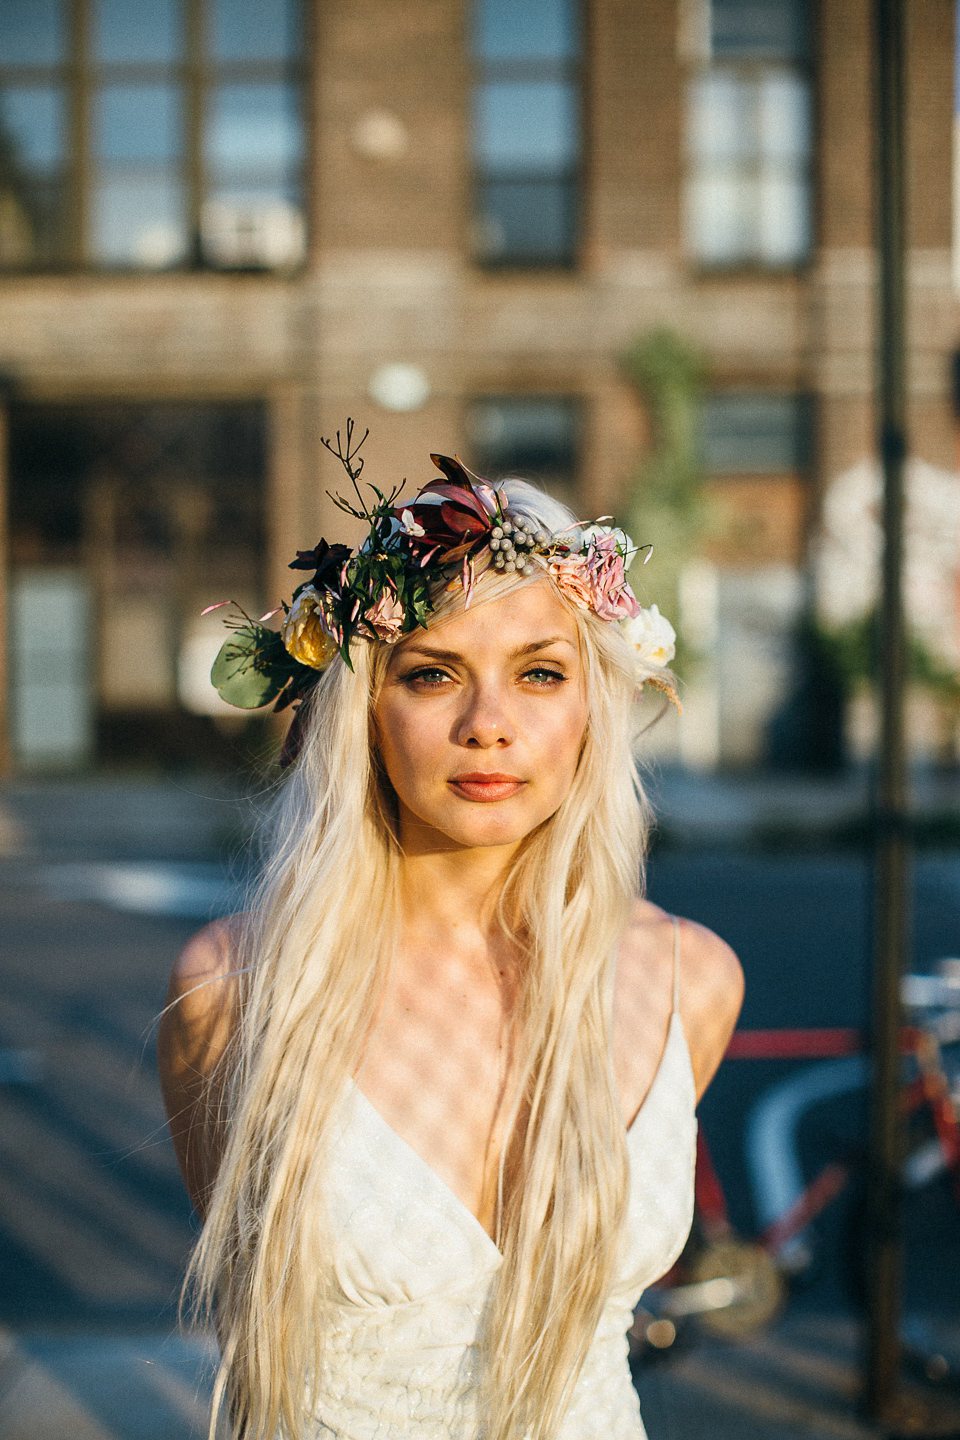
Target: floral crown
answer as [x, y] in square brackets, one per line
[448, 534]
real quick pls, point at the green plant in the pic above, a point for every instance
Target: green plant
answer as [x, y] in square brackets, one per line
[666, 503]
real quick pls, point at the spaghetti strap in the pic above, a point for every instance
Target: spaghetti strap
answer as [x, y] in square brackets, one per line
[676, 963]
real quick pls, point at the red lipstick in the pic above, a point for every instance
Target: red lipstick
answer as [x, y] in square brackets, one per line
[483, 786]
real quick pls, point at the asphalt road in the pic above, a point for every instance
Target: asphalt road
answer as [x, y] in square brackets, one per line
[101, 886]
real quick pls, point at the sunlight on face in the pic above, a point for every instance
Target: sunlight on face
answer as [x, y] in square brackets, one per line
[481, 719]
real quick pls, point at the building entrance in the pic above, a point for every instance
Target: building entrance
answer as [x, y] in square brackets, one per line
[126, 520]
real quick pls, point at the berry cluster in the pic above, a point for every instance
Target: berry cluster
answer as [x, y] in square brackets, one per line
[512, 541]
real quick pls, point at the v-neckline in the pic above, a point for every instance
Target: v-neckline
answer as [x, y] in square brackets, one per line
[449, 1192]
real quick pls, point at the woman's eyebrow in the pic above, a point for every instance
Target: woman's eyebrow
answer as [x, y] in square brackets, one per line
[432, 653]
[542, 645]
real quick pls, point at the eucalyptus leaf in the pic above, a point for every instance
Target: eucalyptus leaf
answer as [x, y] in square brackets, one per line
[251, 668]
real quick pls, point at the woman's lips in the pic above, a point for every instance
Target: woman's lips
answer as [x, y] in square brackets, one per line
[479, 786]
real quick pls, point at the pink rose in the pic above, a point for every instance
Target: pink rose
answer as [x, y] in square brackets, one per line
[573, 579]
[613, 598]
[386, 617]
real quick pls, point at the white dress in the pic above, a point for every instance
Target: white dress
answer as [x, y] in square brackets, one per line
[413, 1268]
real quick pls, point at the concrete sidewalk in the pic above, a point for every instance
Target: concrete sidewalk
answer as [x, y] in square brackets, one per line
[799, 1382]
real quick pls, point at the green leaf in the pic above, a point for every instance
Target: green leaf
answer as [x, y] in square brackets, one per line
[251, 668]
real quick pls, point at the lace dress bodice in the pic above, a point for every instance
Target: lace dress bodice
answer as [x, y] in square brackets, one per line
[413, 1267]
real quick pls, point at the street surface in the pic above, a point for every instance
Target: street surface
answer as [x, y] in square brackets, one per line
[100, 883]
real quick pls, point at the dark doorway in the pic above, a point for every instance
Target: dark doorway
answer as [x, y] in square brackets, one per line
[126, 520]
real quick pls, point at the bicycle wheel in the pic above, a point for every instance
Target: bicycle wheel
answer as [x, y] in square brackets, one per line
[761, 1290]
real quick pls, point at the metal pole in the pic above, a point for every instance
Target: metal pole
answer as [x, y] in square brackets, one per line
[891, 876]
[5, 747]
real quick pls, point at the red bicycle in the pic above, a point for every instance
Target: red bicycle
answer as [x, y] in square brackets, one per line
[734, 1287]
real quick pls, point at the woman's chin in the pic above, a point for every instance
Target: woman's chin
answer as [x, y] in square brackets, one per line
[483, 829]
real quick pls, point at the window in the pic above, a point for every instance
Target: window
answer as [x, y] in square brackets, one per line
[526, 131]
[148, 134]
[749, 136]
[536, 437]
[755, 433]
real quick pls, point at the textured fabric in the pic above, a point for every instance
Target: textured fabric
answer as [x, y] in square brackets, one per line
[413, 1268]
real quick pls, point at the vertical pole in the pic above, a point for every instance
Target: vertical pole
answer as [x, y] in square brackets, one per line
[891, 878]
[956, 148]
[5, 745]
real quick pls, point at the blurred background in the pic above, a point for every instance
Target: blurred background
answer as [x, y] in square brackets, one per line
[623, 249]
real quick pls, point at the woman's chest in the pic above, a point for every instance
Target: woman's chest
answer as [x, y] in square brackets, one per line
[437, 1070]
[402, 1236]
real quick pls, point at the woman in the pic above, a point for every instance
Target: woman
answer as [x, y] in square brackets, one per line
[434, 1095]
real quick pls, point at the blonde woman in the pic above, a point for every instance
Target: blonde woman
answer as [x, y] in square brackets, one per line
[434, 1094]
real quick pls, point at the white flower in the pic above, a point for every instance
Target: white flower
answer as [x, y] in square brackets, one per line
[409, 525]
[654, 641]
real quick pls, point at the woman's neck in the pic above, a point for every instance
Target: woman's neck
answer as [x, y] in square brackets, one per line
[450, 894]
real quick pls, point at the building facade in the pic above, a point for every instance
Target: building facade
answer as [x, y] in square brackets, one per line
[225, 225]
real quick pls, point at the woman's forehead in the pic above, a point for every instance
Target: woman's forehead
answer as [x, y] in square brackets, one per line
[531, 616]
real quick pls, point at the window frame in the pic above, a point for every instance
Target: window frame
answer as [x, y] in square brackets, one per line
[573, 400]
[79, 75]
[803, 437]
[751, 66]
[574, 70]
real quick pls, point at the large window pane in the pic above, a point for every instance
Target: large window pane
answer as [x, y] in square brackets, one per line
[760, 29]
[52, 704]
[721, 116]
[145, 30]
[528, 125]
[138, 122]
[535, 437]
[526, 222]
[252, 218]
[525, 29]
[32, 127]
[139, 220]
[32, 32]
[720, 219]
[252, 29]
[747, 432]
[784, 121]
[748, 194]
[783, 219]
[32, 142]
[253, 134]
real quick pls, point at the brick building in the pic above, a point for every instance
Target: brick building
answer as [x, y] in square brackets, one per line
[226, 224]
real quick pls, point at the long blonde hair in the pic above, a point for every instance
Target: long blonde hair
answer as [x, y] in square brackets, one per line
[315, 956]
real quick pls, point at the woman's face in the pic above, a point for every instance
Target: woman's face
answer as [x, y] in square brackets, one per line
[480, 721]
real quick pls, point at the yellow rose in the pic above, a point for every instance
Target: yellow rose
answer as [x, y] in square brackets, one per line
[304, 631]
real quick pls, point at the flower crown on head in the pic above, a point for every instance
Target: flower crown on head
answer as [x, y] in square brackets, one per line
[449, 533]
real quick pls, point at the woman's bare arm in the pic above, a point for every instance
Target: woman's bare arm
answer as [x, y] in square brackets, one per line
[711, 994]
[194, 1031]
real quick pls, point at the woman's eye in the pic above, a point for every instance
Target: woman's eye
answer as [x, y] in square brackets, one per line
[540, 675]
[426, 677]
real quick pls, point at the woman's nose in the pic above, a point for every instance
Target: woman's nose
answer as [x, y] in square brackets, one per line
[485, 721]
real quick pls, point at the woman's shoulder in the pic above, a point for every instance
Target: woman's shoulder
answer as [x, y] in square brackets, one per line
[704, 959]
[709, 978]
[204, 973]
[195, 1030]
[201, 1007]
